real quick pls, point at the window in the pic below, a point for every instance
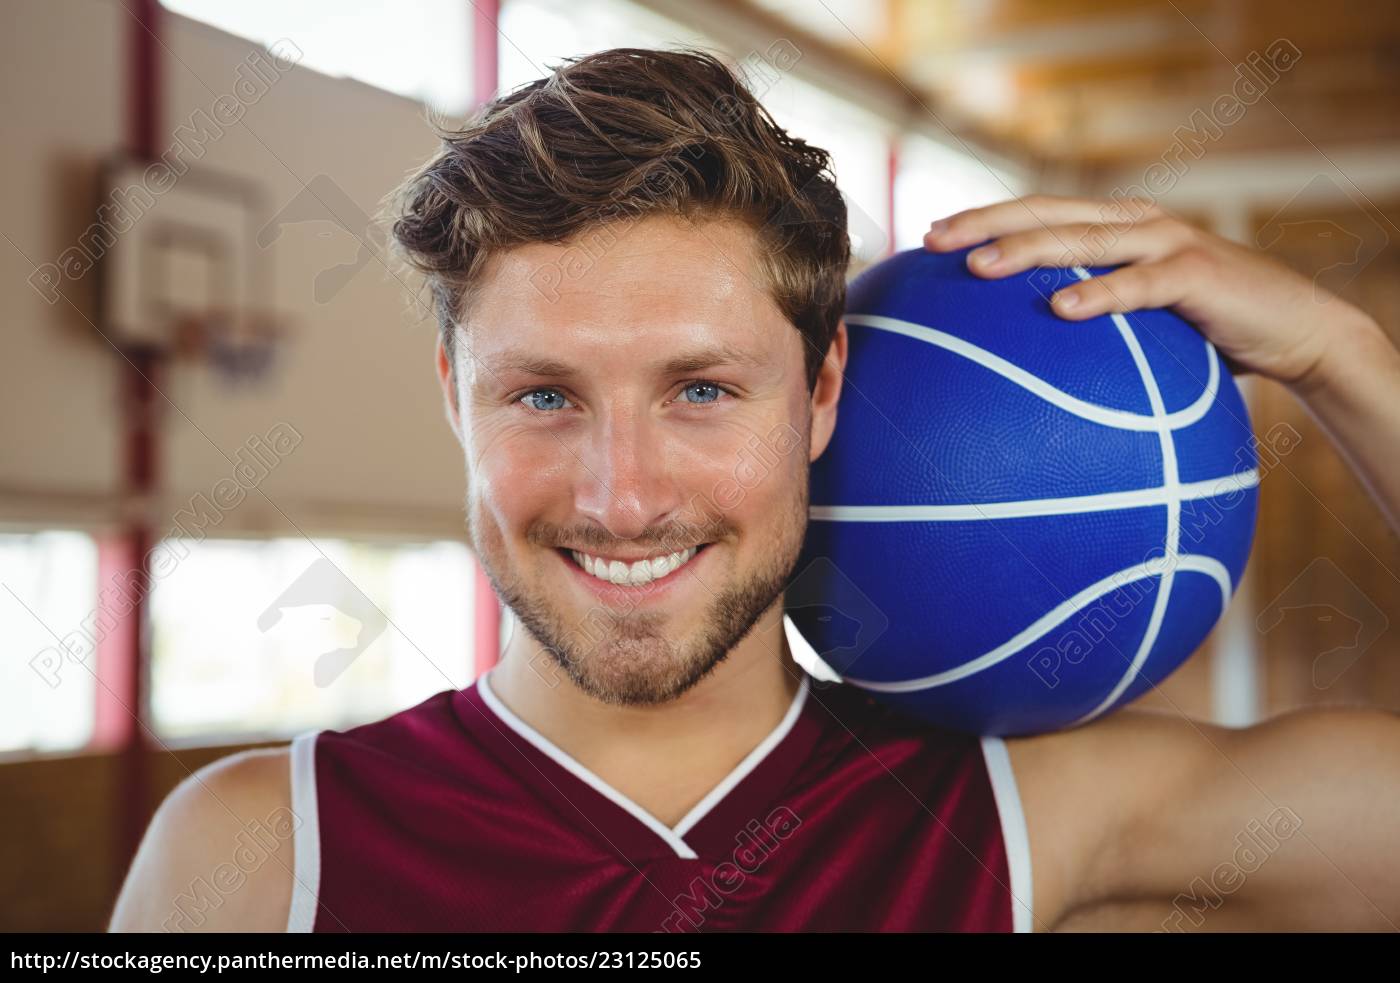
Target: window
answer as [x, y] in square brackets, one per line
[422, 50]
[269, 638]
[49, 601]
[936, 180]
[537, 35]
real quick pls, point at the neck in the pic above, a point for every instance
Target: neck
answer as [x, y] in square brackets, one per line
[668, 756]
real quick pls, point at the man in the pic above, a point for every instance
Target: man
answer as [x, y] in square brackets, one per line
[638, 274]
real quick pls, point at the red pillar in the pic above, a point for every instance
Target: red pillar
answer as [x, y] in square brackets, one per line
[486, 645]
[486, 50]
[892, 162]
[485, 77]
[124, 654]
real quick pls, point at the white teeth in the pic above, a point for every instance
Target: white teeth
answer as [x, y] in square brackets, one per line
[633, 574]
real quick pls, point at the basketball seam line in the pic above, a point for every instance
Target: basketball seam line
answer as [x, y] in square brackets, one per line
[1039, 507]
[1171, 479]
[1085, 410]
[1186, 562]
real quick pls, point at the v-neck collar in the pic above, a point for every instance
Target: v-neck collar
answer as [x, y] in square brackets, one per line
[739, 796]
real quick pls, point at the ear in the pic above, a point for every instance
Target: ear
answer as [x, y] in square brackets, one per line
[447, 379]
[827, 392]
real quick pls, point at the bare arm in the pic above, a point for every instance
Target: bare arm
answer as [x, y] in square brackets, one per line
[1265, 317]
[1178, 826]
[1354, 394]
[218, 855]
[1150, 821]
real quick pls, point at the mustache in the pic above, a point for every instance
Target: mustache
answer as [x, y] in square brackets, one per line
[670, 537]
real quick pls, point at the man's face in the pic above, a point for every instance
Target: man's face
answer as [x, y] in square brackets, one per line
[638, 428]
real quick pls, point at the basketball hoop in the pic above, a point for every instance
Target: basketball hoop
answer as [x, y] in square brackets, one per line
[238, 348]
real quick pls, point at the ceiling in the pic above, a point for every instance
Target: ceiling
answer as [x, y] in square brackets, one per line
[1104, 82]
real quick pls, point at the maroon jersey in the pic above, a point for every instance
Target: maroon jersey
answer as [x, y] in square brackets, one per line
[456, 815]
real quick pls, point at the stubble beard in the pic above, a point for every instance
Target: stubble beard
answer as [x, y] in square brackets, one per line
[627, 658]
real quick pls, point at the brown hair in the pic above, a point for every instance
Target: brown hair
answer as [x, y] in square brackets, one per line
[612, 137]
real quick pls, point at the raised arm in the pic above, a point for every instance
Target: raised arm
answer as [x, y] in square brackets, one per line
[1261, 315]
[1152, 821]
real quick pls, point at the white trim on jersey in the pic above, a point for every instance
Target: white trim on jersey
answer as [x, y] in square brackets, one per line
[674, 837]
[742, 769]
[1013, 831]
[306, 839]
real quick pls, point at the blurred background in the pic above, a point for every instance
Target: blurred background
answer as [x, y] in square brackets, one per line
[230, 507]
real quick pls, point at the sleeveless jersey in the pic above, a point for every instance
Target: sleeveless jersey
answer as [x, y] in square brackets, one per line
[457, 816]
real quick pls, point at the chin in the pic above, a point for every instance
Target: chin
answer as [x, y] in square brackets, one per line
[638, 671]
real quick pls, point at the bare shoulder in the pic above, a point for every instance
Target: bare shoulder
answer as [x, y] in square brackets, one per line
[218, 854]
[1131, 813]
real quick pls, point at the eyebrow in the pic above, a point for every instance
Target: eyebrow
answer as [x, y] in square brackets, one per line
[692, 360]
[699, 359]
[528, 364]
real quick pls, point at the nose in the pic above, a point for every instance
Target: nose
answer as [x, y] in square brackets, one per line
[625, 485]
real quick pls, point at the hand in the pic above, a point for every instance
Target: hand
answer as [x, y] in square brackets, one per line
[1262, 316]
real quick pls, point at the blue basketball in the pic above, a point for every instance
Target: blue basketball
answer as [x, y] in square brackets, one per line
[1021, 522]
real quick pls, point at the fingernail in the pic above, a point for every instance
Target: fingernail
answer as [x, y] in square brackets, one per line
[985, 255]
[938, 228]
[1066, 300]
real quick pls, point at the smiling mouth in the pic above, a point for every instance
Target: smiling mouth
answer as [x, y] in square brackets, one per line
[636, 573]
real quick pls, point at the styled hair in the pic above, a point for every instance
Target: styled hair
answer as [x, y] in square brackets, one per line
[605, 140]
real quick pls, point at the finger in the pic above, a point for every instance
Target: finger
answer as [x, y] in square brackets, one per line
[1032, 212]
[1080, 244]
[1132, 288]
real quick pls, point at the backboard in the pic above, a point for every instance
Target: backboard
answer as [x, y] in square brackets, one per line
[182, 272]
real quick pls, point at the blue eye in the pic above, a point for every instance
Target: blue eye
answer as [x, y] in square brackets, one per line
[545, 400]
[703, 392]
